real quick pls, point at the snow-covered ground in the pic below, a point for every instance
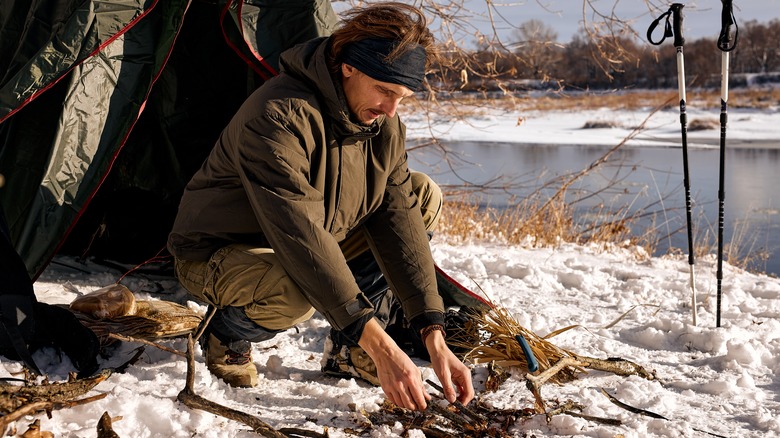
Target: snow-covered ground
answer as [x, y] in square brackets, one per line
[720, 381]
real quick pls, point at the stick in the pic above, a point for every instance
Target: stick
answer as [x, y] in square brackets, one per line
[105, 428]
[124, 338]
[474, 415]
[600, 420]
[45, 405]
[193, 401]
[13, 396]
[534, 383]
[646, 412]
[296, 432]
[618, 366]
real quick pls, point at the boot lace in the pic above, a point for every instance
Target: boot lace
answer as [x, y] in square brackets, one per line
[236, 358]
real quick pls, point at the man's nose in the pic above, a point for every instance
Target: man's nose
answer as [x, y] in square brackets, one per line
[390, 106]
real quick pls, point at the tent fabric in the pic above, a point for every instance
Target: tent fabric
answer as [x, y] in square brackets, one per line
[108, 107]
[262, 49]
[32, 62]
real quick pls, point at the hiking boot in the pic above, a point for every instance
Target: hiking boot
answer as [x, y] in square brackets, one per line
[232, 364]
[348, 362]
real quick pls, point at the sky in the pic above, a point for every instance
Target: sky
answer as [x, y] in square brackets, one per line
[701, 17]
[617, 301]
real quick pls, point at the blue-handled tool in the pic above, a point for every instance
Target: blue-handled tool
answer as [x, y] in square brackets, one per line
[533, 365]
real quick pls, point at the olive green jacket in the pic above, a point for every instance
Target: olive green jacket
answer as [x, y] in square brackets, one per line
[293, 172]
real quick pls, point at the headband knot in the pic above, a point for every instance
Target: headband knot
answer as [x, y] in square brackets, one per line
[369, 56]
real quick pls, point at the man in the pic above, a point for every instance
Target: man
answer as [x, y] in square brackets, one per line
[309, 174]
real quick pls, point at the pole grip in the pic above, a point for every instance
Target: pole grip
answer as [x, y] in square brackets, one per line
[677, 21]
[727, 40]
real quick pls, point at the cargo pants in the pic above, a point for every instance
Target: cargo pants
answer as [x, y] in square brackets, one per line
[254, 296]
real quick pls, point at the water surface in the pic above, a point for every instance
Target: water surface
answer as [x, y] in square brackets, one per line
[639, 176]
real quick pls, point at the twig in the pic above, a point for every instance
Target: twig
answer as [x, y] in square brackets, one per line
[433, 432]
[296, 432]
[124, 338]
[14, 396]
[205, 323]
[631, 408]
[618, 366]
[105, 428]
[601, 159]
[122, 368]
[474, 415]
[568, 406]
[601, 420]
[193, 401]
[44, 405]
[534, 383]
[456, 419]
[647, 413]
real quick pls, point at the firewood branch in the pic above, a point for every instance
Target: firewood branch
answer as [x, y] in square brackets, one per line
[618, 366]
[534, 383]
[124, 338]
[43, 405]
[193, 401]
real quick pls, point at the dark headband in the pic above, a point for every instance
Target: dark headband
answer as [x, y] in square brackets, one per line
[369, 56]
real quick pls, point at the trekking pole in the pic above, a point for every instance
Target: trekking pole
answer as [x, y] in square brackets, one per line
[675, 30]
[727, 41]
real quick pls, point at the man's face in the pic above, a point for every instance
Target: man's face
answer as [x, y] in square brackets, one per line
[368, 98]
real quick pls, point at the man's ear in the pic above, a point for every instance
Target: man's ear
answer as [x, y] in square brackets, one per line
[347, 70]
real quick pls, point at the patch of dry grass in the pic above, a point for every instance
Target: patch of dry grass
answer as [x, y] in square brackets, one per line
[756, 98]
[534, 223]
[703, 124]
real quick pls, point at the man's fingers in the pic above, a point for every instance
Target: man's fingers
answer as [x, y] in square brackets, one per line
[446, 386]
[466, 388]
[407, 397]
[419, 396]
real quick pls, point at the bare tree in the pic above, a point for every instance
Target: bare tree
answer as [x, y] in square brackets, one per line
[758, 50]
[536, 47]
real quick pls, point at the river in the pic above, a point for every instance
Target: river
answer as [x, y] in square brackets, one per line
[638, 175]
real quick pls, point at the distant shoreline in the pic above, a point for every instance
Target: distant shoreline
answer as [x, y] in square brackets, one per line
[747, 128]
[714, 142]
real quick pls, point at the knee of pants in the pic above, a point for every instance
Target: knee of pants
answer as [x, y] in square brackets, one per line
[281, 309]
[253, 278]
[430, 198]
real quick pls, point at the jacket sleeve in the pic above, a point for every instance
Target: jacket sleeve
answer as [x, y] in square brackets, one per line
[397, 236]
[273, 162]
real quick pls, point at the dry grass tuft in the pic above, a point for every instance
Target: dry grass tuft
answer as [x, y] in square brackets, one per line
[600, 124]
[490, 337]
[536, 223]
[703, 124]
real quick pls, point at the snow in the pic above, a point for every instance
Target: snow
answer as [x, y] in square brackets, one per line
[621, 302]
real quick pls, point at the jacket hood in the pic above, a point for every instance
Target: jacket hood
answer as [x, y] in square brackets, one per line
[308, 62]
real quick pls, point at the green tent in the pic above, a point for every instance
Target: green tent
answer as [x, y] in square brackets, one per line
[108, 107]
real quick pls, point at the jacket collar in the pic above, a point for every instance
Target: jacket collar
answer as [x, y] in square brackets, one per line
[308, 63]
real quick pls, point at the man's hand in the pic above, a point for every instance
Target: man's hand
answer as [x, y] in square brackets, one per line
[399, 377]
[453, 374]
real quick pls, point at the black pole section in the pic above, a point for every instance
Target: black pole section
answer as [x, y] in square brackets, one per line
[675, 30]
[679, 41]
[727, 41]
